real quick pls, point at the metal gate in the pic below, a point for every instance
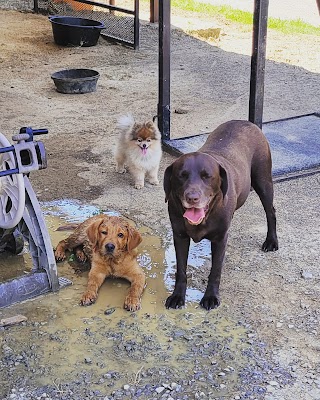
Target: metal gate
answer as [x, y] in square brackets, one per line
[122, 25]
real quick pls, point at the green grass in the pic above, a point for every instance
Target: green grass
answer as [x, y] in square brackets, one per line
[245, 18]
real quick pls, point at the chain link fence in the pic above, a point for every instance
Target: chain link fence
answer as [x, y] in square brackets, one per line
[122, 24]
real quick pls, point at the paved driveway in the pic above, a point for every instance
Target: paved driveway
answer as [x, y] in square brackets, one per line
[306, 10]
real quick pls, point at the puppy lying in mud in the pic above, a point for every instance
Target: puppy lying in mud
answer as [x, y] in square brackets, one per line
[109, 243]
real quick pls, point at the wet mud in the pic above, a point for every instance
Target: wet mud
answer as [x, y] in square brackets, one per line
[67, 351]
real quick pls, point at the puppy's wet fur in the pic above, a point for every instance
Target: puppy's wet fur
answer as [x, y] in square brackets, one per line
[109, 243]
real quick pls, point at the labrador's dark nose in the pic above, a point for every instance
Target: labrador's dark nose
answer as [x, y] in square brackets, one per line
[193, 197]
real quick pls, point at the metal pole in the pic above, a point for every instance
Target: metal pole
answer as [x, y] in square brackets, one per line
[136, 25]
[154, 10]
[164, 69]
[36, 6]
[258, 58]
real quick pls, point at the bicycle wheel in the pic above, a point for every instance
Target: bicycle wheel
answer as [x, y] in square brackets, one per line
[12, 190]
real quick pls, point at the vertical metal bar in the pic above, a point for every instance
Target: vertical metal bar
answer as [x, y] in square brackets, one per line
[136, 39]
[164, 69]
[154, 10]
[258, 58]
[35, 6]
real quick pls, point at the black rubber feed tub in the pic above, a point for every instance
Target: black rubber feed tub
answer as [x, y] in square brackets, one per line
[72, 31]
[73, 81]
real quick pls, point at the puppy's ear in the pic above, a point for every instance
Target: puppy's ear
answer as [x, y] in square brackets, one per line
[134, 238]
[93, 232]
[167, 181]
[224, 180]
[151, 126]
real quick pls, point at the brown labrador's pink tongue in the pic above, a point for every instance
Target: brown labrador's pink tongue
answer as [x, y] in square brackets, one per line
[194, 215]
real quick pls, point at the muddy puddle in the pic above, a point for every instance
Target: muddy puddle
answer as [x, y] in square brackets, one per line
[103, 348]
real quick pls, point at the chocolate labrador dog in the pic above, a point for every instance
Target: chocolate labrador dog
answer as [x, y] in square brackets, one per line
[206, 187]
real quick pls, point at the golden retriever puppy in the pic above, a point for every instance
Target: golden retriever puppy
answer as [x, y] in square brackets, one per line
[138, 148]
[110, 244]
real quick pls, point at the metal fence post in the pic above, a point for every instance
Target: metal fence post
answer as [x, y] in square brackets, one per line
[258, 58]
[164, 69]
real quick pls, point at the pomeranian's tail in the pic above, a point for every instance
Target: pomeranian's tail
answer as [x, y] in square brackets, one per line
[126, 122]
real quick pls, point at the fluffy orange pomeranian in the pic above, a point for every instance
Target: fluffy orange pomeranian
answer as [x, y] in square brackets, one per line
[139, 149]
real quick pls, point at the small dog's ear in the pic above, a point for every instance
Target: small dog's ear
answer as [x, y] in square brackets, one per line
[152, 126]
[134, 238]
[224, 180]
[167, 181]
[93, 231]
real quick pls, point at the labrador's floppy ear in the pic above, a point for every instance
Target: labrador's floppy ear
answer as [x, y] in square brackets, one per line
[167, 181]
[93, 231]
[134, 238]
[224, 180]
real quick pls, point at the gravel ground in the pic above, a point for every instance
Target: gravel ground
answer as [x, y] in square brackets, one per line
[263, 341]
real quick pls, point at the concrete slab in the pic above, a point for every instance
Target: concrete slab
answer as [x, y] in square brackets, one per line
[294, 143]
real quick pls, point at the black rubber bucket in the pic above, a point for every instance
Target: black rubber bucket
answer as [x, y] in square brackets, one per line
[72, 31]
[73, 81]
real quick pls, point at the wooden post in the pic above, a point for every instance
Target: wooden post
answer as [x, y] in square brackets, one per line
[164, 69]
[154, 10]
[258, 58]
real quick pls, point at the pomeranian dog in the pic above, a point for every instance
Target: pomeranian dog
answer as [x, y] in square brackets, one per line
[139, 149]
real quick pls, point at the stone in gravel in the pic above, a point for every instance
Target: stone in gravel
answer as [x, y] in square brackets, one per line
[273, 383]
[109, 311]
[306, 275]
[17, 319]
[160, 389]
[173, 385]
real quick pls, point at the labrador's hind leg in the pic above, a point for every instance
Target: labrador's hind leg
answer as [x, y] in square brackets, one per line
[264, 189]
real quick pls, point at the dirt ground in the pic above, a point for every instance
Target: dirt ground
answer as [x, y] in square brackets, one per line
[275, 296]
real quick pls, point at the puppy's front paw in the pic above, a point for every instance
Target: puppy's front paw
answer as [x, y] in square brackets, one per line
[154, 181]
[132, 303]
[138, 185]
[88, 298]
[121, 170]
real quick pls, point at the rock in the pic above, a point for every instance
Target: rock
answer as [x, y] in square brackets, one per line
[306, 275]
[17, 319]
